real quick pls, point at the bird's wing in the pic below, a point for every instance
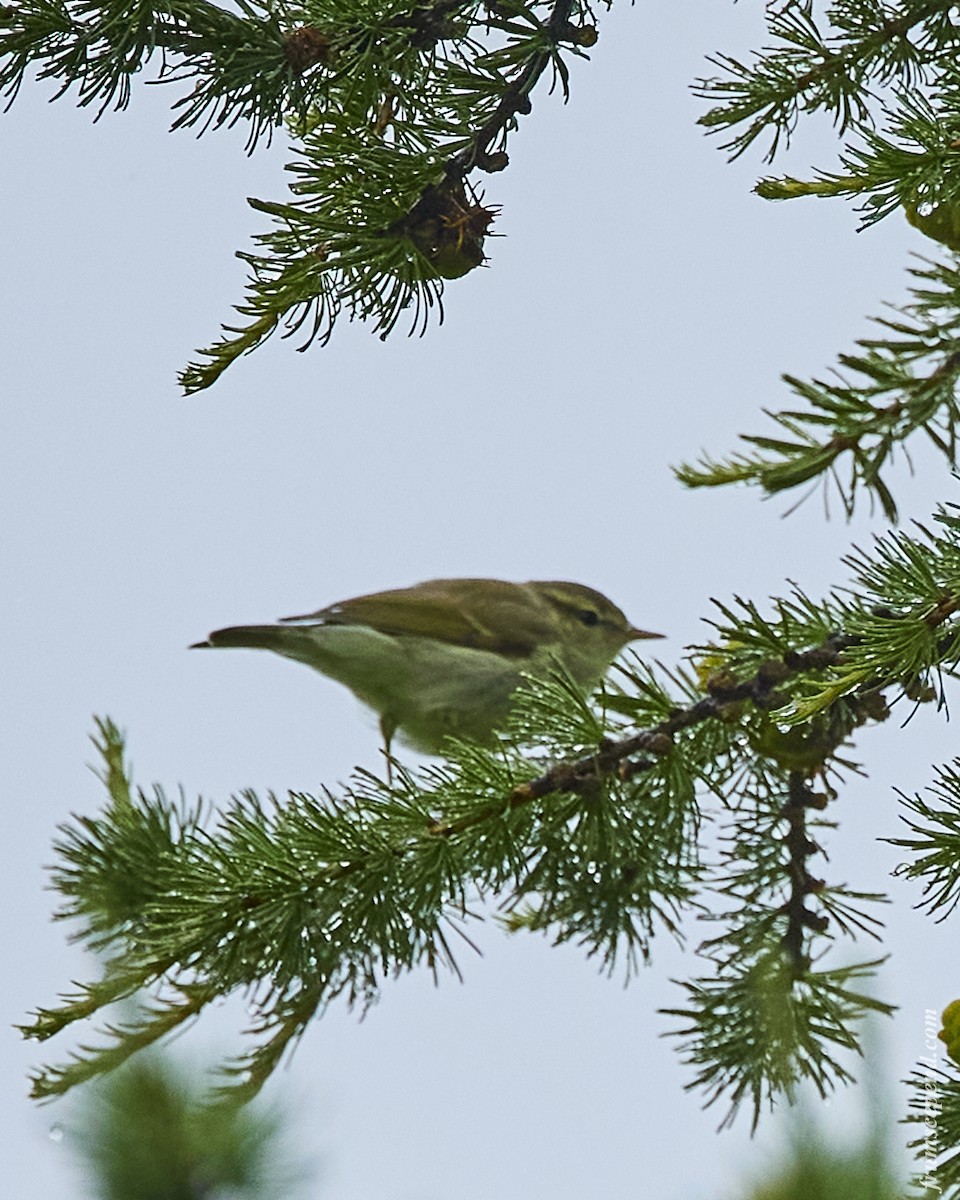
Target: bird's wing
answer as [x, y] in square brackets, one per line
[501, 617]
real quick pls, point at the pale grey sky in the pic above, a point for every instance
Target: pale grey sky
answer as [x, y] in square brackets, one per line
[640, 307]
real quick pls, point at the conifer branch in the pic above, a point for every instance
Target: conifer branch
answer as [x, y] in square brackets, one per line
[414, 221]
[900, 385]
[303, 901]
[934, 1104]
[393, 108]
[300, 902]
[810, 70]
[888, 76]
[934, 843]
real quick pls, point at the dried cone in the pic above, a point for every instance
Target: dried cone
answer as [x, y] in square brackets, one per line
[306, 47]
[449, 230]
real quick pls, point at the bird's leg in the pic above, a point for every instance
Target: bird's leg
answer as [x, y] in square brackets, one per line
[388, 728]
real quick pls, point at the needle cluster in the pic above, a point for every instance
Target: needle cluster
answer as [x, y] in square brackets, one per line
[391, 107]
[888, 77]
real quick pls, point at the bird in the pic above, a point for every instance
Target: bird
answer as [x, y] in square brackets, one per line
[443, 658]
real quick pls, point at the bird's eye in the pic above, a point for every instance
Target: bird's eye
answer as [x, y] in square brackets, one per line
[588, 616]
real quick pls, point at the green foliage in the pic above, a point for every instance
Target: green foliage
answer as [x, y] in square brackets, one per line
[391, 105]
[586, 819]
[866, 47]
[313, 898]
[765, 1033]
[934, 825]
[95, 49]
[888, 77]
[332, 250]
[851, 428]
[583, 821]
[935, 1106]
[895, 625]
[817, 1171]
[147, 1134]
[912, 162]
[766, 1020]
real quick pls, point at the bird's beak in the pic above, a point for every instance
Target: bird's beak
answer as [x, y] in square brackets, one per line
[639, 635]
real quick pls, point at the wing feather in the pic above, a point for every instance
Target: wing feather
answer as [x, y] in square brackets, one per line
[502, 617]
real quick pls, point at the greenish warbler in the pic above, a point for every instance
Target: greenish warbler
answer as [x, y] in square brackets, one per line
[444, 657]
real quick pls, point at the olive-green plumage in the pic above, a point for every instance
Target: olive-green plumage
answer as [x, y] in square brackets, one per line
[444, 657]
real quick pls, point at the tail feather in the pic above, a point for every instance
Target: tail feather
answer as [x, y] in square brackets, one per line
[360, 658]
[253, 637]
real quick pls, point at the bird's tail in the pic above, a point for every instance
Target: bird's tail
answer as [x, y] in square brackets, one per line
[253, 637]
[341, 651]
